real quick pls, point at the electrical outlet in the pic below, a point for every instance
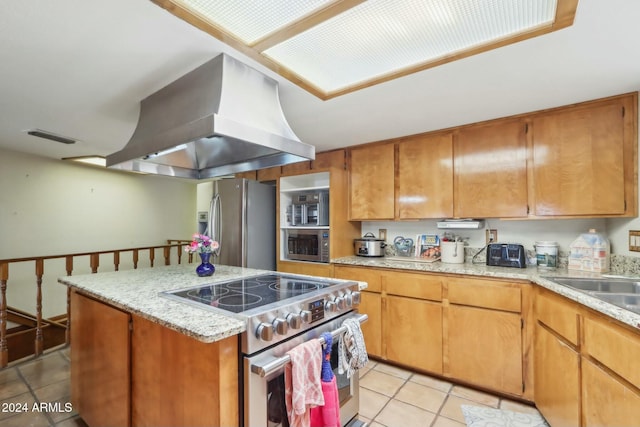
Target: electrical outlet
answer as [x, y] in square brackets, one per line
[382, 234]
[491, 235]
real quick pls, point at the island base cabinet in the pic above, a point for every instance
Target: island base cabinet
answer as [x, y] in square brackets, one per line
[179, 381]
[485, 348]
[100, 381]
[413, 334]
[607, 401]
[556, 379]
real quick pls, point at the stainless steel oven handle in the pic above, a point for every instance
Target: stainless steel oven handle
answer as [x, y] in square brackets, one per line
[276, 364]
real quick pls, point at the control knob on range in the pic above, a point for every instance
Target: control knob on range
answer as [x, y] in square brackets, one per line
[353, 298]
[280, 325]
[294, 321]
[341, 303]
[331, 306]
[264, 331]
[306, 316]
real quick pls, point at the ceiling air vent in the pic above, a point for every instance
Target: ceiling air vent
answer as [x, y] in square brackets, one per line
[51, 136]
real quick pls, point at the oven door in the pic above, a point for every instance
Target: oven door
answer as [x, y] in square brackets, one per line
[264, 404]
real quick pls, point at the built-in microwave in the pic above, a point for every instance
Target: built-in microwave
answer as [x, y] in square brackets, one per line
[307, 245]
[309, 209]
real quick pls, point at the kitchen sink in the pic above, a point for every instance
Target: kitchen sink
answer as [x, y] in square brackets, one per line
[624, 293]
[613, 286]
[630, 302]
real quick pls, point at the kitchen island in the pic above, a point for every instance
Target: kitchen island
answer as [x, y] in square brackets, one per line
[138, 358]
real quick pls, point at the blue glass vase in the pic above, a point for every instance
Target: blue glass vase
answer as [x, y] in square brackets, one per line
[205, 268]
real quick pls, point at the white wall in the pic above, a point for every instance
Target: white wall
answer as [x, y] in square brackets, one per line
[52, 207]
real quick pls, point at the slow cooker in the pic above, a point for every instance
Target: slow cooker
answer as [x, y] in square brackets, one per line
[369, 246]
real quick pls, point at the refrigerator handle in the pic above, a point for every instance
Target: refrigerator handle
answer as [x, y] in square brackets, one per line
[215, 221]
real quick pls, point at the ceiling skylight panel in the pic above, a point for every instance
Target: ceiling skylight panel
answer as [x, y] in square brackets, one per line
[251, 20]
[380, 37]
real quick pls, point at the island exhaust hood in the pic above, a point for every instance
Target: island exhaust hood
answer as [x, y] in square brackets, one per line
[222, 118]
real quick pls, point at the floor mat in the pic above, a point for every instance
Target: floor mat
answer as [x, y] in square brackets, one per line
[477, 416]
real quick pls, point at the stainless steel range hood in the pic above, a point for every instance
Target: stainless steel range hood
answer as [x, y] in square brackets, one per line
[222, 118]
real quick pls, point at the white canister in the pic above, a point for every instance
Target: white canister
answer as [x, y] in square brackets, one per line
[452, 252]
[546, 254]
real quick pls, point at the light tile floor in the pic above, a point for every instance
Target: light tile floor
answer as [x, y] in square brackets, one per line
[36, 393]
[395, 397]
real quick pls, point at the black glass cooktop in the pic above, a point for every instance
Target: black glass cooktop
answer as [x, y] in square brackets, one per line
[247, 294]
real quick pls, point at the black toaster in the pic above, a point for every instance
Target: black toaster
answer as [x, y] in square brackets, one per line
[506, 255]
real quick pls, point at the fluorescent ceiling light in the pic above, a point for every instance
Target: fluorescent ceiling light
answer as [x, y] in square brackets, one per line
[333, 47]
[91, 160]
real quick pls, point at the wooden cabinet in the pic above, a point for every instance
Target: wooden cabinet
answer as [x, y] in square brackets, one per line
[606, 400]
[371, 182]
[412, 313]
[126, 370]
[179, 381]
[584, 159]
[269, 174]
[371, 304]
[490, 170]
[485, 334]
[586, 370]
[330, 159]
[425, 177]
[100, 367]
[556, 378]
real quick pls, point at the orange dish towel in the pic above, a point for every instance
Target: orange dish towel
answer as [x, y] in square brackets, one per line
[303, 389]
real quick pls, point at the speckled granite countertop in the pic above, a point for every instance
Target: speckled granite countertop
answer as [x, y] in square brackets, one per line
[532, 274]
[137, 292]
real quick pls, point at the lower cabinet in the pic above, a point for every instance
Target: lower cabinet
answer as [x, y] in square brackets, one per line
[100, 363]
[413, 332]
[556, 379]
[129, 371]
[485, 348]
[371, 305]
[607, 401]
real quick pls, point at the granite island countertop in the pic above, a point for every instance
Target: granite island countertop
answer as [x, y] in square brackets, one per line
[533, 274]
[138, 292]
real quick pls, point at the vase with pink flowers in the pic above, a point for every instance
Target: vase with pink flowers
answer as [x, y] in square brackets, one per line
[205, 247]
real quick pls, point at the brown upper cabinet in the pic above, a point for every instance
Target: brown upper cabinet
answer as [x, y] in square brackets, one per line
[585, 161]
[371, 182]
[425, 177]
[490, 170]
[574, 161]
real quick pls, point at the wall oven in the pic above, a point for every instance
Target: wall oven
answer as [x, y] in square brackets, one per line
[307, 244]
[264, 380]
[309, 209]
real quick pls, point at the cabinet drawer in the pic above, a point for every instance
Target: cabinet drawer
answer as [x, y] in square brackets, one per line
[558, 314]
[413, 286]
[369, 275]
[613, 346]
[486, 294]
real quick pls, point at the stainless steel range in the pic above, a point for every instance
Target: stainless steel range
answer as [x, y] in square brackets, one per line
[282, 311]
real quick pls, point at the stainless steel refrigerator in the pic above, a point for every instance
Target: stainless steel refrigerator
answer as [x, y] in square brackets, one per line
[242, 218]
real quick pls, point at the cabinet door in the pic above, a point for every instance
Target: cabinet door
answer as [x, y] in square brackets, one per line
[371, 305]
[371, 182]
[607, 401]
[100, 368]
[490, 171]
[578, 161]
[425, 177]
[328, 159]
[407, 343]
[485, 348]
[556, 379]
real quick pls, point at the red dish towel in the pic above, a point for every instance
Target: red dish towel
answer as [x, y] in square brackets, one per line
[329, 414]
[302, 382]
